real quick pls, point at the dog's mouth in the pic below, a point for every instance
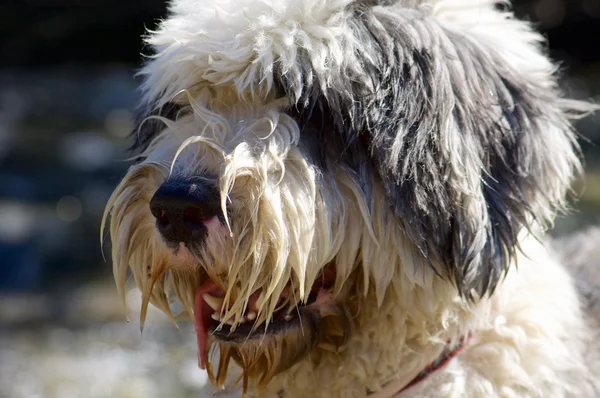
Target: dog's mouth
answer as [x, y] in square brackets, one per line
[210, 309]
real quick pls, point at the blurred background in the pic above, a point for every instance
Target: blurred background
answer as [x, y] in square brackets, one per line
[67, 93]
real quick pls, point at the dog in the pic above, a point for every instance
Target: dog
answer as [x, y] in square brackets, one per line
[349, 198]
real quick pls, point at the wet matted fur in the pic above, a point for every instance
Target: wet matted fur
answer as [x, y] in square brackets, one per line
[384, 172]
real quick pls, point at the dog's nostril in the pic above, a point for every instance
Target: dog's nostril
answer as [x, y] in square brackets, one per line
[181, 207]
[162, 218]
[193, 217]
[161, 215]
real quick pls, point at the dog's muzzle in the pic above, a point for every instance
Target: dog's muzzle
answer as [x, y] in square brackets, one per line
[262, 340]
[182, 207]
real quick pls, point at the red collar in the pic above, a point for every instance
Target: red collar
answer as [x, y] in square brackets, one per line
[445, 357]
[442, 360]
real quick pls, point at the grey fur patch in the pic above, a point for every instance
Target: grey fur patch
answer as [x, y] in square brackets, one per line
[147, 128]
[457, 137]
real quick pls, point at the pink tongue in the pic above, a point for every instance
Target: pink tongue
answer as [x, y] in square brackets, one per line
[202, 315]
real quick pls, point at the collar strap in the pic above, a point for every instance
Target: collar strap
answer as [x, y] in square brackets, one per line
[400, 385]
[445, 357]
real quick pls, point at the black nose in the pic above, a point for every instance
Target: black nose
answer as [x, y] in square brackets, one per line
[181, 207]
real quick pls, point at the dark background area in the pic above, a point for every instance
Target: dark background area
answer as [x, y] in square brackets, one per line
[67, 95]
[89, 33]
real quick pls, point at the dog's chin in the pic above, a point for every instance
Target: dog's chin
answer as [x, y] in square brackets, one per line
[262, 350]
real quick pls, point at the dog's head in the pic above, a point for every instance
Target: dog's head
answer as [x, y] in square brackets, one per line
[302, 163]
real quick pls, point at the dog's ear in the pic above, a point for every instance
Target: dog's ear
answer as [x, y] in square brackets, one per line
[471, 149]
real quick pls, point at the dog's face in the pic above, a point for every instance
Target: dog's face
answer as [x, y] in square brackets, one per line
[300, 160]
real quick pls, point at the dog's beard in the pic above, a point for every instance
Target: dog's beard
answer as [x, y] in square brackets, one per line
[263, 356]
[264, 349]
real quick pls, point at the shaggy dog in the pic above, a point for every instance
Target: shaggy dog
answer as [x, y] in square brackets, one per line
[349, 197]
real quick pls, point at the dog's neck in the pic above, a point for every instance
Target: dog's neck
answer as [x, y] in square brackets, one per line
[375, 362]
[406, 381]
